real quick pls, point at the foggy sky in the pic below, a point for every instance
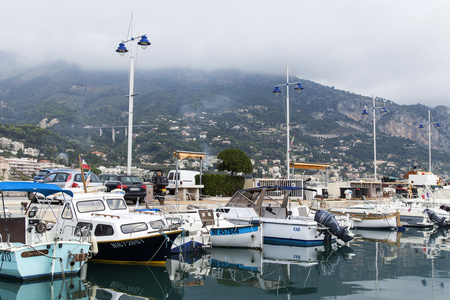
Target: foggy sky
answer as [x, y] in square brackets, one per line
[394, 49]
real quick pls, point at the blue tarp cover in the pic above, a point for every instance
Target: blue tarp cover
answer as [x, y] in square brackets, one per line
[42, 188]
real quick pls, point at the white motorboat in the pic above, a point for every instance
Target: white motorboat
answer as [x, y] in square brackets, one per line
[203, 229]
[371, 216]
[195, 235]
[122, 236]
[279, 226]
[32, 246]
[413, 211]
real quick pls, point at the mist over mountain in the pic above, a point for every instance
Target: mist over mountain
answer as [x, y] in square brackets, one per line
[210, 111]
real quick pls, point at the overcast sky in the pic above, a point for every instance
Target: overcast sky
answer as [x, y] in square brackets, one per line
[394, 49]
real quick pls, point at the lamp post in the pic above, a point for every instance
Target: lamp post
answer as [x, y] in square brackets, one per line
[276, 91]
[364, 113]
[143, 42]
[437, 125]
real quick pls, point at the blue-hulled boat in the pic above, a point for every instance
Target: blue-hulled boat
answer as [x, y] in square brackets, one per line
[32, 247]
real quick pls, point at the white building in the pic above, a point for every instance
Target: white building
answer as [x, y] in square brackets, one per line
[17, 167]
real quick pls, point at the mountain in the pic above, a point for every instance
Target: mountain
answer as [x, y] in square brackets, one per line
[195, 110]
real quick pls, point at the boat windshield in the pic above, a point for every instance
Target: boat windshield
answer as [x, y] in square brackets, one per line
[116, 204]
[134, 227]
[90, 206]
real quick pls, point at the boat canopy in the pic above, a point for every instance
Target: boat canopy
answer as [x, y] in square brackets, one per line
[308, 166]
[31, 187]
[188, 154]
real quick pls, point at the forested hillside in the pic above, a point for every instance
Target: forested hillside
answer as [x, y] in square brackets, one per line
[211, 111]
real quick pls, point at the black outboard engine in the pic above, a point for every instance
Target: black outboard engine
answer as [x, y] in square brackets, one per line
[327, 219]
[445, 207]
[435, 219]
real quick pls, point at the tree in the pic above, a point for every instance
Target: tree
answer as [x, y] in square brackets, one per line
[20, 153]
[234, 160]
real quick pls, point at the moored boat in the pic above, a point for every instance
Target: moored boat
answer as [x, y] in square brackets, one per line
[32, 247]
[202, 228]
[279, 226]
[370, 216]
[195, 235]
[236, 235]
[122, 236]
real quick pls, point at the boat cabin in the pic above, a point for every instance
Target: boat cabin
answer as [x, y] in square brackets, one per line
[107, 216]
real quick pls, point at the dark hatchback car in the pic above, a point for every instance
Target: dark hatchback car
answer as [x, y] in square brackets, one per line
[134, 188]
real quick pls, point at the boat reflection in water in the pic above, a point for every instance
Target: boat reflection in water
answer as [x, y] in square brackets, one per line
[430, 242]
[276, 270]
[112, 281]
[377, 264]
[382, 236]
[70, 288]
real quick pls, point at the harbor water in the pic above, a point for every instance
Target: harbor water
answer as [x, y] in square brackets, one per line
[375, 265]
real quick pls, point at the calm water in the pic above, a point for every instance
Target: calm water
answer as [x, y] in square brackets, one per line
[376, 265]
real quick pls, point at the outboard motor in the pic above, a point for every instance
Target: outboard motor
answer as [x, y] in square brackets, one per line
[435, 219]
[327, 219]
[445, 207]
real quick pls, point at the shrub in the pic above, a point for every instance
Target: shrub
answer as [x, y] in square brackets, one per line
[220, 184]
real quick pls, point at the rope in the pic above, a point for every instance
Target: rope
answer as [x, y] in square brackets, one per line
[165, 240]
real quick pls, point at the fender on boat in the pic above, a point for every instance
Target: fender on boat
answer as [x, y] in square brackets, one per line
[327, 219]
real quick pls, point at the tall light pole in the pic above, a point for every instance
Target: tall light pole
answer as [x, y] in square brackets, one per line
[383, 110]
[143, 42]
[277, 90]
[437, 125]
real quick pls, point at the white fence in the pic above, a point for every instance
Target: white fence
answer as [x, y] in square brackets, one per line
[282, 182]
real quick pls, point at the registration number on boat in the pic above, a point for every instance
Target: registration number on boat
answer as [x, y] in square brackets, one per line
[126, 243]
[225, 231]
[5, 256]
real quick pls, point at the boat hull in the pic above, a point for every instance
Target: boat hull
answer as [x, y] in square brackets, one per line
[151, 249]
[369, 219]
[376, 220]
[415, 220]
[191, 241]
[29, 263]
[237, 236]
[292, 232]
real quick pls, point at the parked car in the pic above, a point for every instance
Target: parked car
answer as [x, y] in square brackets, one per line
[185, 178]
[135, 189]
[62, 176]
[41, 174]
